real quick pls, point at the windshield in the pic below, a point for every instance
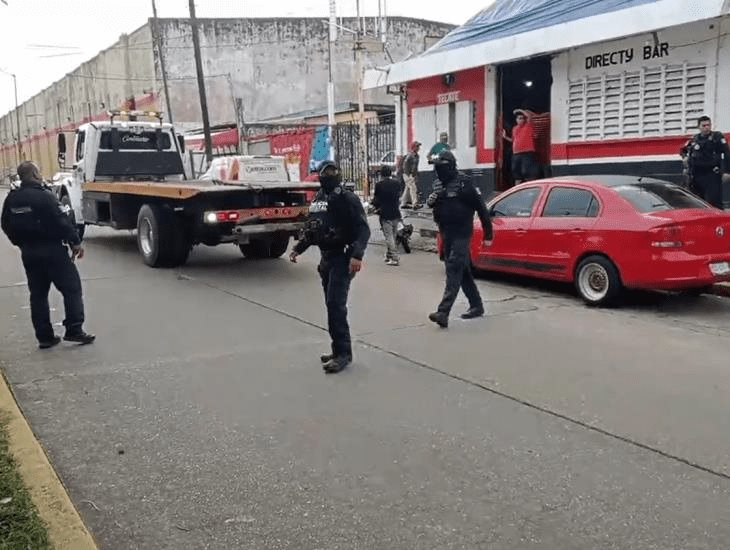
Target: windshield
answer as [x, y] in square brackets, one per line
[656, 197]
[130, 140]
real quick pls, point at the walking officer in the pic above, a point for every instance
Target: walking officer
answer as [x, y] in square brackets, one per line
[39, 225]
[338, 225]
[707, 157]
[454, 201]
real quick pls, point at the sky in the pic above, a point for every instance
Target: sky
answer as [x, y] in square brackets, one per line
[42, 40]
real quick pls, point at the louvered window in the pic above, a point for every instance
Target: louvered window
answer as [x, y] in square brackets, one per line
[653, 101]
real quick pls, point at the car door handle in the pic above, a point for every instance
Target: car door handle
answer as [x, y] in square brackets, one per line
[520, 231]
[578, 230]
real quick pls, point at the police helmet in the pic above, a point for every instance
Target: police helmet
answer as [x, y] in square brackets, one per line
[445, 158]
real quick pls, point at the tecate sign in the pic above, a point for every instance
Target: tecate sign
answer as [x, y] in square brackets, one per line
[448, 97]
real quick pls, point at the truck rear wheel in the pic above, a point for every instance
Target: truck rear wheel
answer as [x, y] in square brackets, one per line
[161, 237]
[259, 249]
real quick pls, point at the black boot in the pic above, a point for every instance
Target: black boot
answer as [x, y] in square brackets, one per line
[47, 344]
[326, 358]
[473, 313]
[441, 319]
[79, 337]
[337, 364]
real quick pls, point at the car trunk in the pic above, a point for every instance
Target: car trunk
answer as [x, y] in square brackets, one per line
[700, 231]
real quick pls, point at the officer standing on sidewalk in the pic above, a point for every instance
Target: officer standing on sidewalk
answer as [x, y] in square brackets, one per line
[454, 201]
[707, 157]
[39, 225]
[338, 225]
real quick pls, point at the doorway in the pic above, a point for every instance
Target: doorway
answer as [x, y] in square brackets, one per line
[523, 85]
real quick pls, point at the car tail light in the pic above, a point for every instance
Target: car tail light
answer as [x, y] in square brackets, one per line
[666, 237]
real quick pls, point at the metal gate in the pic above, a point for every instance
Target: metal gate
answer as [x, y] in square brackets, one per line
[357, 166]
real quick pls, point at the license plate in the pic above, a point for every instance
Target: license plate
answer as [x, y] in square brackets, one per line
[720, 268]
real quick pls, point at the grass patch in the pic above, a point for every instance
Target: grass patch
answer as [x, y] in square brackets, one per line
[20, 526]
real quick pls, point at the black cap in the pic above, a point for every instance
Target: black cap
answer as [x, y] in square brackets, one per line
[326, 164]
[445, 158]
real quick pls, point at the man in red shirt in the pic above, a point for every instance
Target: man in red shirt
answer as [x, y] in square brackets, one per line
[524, 160]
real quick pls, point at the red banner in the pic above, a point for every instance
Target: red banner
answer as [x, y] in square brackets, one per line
[296, 146]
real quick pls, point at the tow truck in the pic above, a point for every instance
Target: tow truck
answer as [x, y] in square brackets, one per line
[129, 175]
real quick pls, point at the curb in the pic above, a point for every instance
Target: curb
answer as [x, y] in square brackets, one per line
[64, 524]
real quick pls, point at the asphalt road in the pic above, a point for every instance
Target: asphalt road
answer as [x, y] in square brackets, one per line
[201, 417]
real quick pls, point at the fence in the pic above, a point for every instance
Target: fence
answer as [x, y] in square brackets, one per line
[379, 149]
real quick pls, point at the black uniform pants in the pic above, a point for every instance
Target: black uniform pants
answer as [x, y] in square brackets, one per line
[707, 185]
[52, 264]
[458, 273]
[334, 270]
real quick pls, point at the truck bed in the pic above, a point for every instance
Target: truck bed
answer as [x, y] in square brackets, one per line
[190, 188]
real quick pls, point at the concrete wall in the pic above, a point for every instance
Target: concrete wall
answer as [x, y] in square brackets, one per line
[272, 66]
[122, 71]
[276, 66]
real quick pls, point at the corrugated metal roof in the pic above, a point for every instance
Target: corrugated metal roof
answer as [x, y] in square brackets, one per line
[517, 29]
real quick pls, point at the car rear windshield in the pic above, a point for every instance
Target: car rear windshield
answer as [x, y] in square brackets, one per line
[655, 197]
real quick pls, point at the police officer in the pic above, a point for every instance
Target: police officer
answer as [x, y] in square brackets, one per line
[39, 225]
[454, 201]
[337, 223]
[707, 156]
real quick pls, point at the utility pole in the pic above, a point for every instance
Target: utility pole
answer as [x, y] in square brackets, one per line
[158, 45]
[19, 146]
[363, 153]
[201, 84]
[331, 82]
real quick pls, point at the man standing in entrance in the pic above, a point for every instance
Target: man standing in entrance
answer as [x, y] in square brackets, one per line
[524, 160]
[454, 201]
[441, 145]
[338, 225]
[410, 176]
[707, 157]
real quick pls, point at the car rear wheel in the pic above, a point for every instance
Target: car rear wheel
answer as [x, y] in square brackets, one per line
[598, 282]
[259, 249]
[161, 237]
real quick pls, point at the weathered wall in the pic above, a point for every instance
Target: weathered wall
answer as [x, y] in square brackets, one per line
[122, 71]
[273, 66]
[277, 66]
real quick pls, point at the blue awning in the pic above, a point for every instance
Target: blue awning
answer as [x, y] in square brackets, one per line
[510, 17]
[510, 30]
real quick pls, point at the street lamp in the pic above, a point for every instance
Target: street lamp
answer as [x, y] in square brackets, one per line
[17, 115]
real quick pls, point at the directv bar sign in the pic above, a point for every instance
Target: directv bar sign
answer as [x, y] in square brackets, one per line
[627, 55]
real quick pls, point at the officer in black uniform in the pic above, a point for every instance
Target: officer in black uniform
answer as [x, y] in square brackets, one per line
[337, 223]
[707, 157]
[39, 225]
[454, 201]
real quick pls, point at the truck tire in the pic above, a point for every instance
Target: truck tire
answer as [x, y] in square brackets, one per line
[260, 249]
[80, 227]
[278, 247]
[161, 237]
[255, 249]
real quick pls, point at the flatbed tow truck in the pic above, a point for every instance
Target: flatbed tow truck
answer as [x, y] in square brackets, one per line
[129, 175]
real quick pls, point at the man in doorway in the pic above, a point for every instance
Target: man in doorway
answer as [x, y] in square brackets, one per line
[441, 145]
[707, 157]
[524, 160]
[410, 177]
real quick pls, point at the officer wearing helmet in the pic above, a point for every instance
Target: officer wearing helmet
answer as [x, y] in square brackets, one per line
[454, 201]
[338, 225]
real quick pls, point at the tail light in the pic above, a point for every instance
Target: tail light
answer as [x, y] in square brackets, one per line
[669, 236]
[222, 216]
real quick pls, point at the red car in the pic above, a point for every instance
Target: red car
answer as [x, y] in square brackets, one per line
[607, 233]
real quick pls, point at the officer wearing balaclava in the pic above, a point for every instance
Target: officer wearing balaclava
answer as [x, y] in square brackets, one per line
[454, 201]
[338, 225]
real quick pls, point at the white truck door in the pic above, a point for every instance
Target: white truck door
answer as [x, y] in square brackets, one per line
[78, 177]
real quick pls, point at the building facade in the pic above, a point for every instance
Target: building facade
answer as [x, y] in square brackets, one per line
[616, 91]
[255, 69]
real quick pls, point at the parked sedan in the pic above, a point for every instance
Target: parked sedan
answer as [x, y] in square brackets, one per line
[607, 233]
